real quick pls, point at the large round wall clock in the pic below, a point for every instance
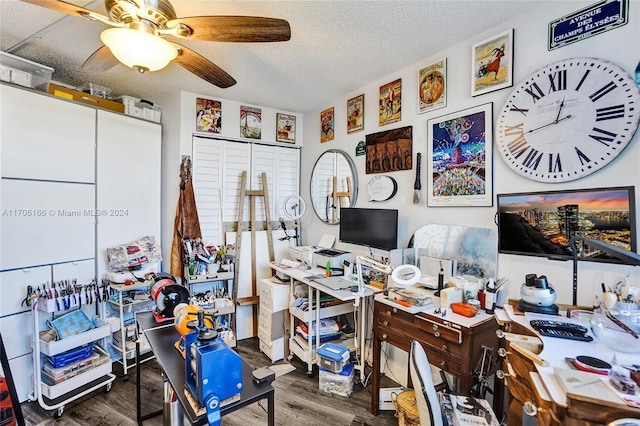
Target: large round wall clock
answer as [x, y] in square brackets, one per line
[568, 119]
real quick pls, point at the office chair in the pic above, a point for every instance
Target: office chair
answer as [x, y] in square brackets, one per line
[426, 397]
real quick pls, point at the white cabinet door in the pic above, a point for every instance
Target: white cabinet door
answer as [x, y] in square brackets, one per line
[13, 289]
[46, 222]
[84, 271]
[128, 181]
[22, 370]
[46, 138]
[17, 334]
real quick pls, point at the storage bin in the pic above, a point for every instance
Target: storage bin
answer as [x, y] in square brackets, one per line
[24, 72]
[53, 376]
[333, 357]
[337, 383]
[69, 357]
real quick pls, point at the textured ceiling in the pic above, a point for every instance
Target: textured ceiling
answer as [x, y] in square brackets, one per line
[335, 47]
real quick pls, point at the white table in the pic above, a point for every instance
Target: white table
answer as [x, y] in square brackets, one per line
[360, 302]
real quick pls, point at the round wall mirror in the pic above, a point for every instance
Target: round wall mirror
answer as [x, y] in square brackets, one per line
[334, 184]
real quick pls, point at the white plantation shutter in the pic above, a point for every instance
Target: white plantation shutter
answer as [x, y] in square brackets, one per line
[217, 168]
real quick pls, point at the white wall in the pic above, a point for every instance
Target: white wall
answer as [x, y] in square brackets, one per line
[530, 39]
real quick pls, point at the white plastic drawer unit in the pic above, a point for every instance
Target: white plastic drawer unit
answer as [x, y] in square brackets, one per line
[273, 296]
[272, 323]
[274, 349]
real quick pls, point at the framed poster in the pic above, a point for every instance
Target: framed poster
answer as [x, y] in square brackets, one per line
[208, 115]
[492, 64]
[432, 89]
[390, 102]
[459, 158]
[326, 125]
[389, 151]
[285, 128]
[250, 122]
[355, 114]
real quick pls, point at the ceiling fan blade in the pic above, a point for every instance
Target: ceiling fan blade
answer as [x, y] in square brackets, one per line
[203, 68]
[68, 8]
[100, 60]
[247, 29]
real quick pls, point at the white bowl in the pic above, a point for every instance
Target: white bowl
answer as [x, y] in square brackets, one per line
[613, 337]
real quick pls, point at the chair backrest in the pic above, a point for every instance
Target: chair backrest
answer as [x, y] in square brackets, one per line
[426, 397]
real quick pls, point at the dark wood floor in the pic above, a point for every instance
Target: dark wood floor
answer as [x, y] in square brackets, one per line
[298, 401]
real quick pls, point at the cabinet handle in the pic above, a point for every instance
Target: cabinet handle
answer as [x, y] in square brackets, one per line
[385, 322]
[443, 363]
[395, 310]
[445, 348]
[384, 336]
[388, 313]
[437, 334]
[435, 327]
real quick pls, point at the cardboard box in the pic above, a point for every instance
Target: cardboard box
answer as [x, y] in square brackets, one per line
[75, 95]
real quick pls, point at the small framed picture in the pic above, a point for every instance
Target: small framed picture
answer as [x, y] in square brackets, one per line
[492, 64]
[285, 128]
[326, 125]
[459, 159]
[355, 114]
[250, 122]
[432, 88]
[390, 102]
[208, 115]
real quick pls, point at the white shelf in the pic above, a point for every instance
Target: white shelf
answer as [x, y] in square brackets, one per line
[329, 311]
[216, 276]
[58, 346]
[73, 383]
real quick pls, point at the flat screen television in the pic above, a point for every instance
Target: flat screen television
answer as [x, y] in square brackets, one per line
[542, 223]
[377, 228]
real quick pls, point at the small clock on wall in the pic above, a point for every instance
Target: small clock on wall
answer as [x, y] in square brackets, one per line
[568, 119]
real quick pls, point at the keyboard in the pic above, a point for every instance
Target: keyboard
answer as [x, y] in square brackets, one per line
[561, 330]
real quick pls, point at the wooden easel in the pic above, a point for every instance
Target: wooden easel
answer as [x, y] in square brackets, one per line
[337, 195]
[254, 299]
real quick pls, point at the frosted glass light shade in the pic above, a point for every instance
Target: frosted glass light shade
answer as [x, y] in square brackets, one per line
[138, 49]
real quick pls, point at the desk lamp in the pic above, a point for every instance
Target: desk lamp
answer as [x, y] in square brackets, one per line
[628, 257]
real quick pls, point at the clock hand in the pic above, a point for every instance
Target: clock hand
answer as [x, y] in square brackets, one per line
[560, 109]
[549, 124]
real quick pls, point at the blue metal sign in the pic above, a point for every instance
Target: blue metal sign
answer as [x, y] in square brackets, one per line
[592, 20]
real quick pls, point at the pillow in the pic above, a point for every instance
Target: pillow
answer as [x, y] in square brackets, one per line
[70, 324]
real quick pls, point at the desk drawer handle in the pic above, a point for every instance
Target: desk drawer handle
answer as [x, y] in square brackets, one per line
[437, 334]
[384, 336]
[443, 363]
[395, 310]
[445, 348]
[435, 327]
[385, 322]
[388, 313]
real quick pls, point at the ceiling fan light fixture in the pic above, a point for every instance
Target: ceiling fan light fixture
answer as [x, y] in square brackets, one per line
[139, 49]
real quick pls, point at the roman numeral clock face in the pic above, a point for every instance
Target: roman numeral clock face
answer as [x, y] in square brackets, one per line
[568, 119]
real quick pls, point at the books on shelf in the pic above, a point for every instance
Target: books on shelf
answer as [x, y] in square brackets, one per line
[466, 411]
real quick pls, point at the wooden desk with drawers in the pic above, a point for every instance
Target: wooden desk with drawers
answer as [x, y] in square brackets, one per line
[453, 343]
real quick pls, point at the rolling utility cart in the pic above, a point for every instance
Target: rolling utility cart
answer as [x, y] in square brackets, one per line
[125, 300]
[70, 368]
[214, 293]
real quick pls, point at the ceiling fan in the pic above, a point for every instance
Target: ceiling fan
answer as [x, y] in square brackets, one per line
[139, 27]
